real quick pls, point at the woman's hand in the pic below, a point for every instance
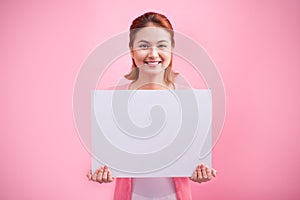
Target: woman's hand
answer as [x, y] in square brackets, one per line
[203, 174]
[101, 175]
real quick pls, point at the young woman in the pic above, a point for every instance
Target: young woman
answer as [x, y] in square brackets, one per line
[151, 44]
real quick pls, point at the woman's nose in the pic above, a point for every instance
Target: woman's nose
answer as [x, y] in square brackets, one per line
[153, 52]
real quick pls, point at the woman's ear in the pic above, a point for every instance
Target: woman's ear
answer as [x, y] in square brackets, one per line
[131, 53]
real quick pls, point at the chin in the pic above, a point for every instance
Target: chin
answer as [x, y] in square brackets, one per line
[153, 71]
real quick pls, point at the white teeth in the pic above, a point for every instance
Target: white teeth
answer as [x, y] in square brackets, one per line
[153, 63]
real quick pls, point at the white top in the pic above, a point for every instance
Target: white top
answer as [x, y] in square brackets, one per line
[153, 189]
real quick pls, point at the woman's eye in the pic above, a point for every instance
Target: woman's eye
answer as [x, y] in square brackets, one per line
[144, 46]
[162, 46]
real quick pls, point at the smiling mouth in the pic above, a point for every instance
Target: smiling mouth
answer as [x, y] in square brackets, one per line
[152, 62]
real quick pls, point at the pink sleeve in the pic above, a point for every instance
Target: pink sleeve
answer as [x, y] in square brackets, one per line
[123, 189]
[182, 187]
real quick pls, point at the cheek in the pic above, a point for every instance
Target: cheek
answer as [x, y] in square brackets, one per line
[139, 56]
[166, 56]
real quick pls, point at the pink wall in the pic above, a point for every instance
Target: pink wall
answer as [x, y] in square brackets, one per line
[255, 45]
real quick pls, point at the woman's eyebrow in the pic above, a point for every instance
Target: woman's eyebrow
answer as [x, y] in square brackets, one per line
[162, 41]
[143, 41]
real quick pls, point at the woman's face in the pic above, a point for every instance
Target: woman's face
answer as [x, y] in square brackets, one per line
[152, 50]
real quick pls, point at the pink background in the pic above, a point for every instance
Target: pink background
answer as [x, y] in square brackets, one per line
[255, 45]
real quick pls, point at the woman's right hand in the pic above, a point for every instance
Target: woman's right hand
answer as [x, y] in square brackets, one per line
[101, 175]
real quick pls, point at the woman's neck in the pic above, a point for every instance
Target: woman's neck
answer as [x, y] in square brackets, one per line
[148, 82]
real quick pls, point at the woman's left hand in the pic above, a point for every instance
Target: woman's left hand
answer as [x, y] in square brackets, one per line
[203, 174]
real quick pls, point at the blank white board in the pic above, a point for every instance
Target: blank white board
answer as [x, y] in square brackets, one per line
[151, 133]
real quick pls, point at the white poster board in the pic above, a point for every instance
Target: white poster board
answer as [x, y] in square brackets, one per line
[151, 133]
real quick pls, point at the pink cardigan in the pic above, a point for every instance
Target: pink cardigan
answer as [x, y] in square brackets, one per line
[123, 188]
